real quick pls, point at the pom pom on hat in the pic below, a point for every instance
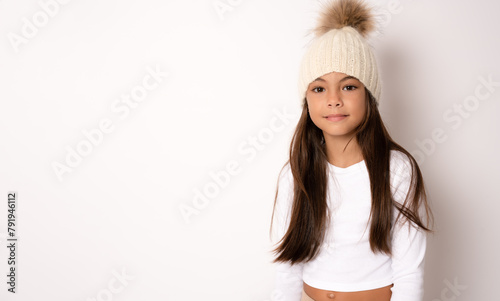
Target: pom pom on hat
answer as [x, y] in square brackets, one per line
[340, 46]
[338, 14]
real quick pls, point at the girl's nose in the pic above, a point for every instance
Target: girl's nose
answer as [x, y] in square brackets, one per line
[334, 100]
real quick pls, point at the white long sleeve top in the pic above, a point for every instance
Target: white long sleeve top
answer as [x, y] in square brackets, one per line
[346, 262]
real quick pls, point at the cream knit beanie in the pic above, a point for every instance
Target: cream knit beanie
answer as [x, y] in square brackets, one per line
[340, 46]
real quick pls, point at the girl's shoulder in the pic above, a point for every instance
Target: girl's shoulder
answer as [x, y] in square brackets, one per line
[285, 175]
[401, 170]
[400, 163]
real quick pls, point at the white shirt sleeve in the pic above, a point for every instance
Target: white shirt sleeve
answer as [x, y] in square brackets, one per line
[288, 280]
[408, 247]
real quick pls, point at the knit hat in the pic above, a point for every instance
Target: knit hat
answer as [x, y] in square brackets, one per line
[340, 46]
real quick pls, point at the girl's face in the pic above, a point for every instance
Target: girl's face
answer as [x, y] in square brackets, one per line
[339, 95]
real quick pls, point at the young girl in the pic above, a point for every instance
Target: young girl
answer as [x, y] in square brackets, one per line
[350, 210]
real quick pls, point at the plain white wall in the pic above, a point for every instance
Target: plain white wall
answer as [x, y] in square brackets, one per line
[225, 100]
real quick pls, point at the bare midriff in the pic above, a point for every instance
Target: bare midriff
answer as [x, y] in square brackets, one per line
[379, 294]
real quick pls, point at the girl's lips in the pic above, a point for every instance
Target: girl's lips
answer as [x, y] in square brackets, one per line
[335, 117]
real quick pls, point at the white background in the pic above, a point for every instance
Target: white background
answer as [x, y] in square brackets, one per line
[230, 75]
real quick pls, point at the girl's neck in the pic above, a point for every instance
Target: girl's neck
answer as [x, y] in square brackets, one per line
[341, 157]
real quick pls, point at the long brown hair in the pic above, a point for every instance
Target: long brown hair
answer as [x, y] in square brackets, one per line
[308, 164]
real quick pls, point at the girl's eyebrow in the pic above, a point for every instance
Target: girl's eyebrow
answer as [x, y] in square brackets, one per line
[347, 77]
[344, 79]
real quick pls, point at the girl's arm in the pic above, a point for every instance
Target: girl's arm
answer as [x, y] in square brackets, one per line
[408, 245]
[408, 258]
[288, 280]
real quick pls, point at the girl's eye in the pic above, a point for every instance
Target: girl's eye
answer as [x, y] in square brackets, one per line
[349, 88]
[316, 89]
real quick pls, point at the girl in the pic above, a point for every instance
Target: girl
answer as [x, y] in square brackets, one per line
[350, 210]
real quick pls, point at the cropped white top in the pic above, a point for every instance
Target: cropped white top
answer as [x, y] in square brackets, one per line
[346, 262]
